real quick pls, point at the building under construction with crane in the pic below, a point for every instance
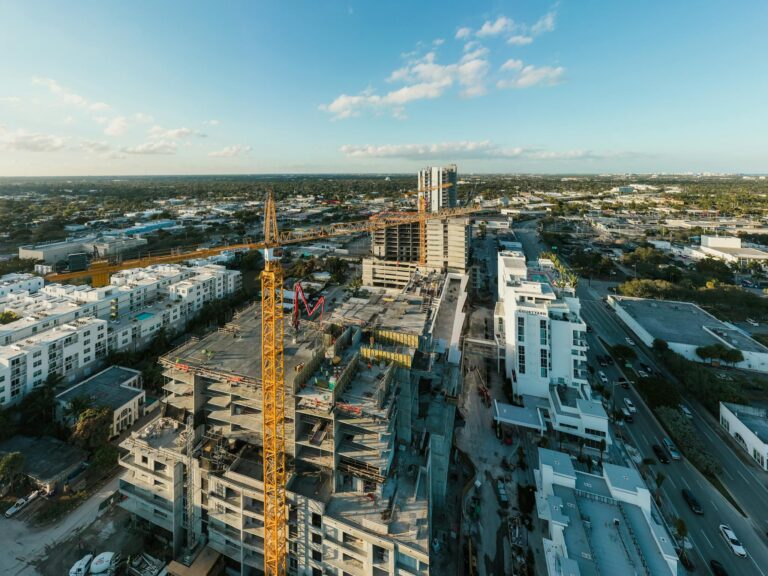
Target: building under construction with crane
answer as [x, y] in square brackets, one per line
[309, 447]
[368, 427]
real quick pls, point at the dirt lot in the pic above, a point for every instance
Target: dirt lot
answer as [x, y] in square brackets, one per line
[110, 532]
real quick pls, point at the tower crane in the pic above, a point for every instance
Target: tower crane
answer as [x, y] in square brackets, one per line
[273, 397]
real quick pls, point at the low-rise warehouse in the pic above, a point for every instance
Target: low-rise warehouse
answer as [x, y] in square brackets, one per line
[48, 462]
[686, 327]
[747, 425]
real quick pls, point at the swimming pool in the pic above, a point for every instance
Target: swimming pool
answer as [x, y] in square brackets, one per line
[144, 316]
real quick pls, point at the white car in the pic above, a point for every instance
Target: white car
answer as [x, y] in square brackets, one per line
[730, 538]
[18, 505]
[630, 406]
[603, 378]
[630, 341]
[642, 373]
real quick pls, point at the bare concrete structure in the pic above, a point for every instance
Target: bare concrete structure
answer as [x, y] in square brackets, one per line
[368, 457]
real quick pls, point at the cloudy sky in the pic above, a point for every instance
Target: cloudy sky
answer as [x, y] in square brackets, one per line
[147, 87]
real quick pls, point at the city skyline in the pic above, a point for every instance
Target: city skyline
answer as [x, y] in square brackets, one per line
[345, 87]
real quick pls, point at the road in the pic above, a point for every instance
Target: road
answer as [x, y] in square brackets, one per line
[645, 431]
[23, 546]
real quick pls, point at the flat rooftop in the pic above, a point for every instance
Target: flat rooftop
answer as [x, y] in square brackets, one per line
[234, 349]
[45, 458]
[407, 313]
[105, 388]
[685, 323]
[164, 433]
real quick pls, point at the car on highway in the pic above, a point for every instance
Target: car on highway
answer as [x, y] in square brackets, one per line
[630, 341]
[685, 411]
[717, 568]
[730, 538]
[603, 378]
[627, 415]
[661, 456]
[693, 504]
[673, 451]
[752, 322]
[642, 373]
[630, 405]
[623, 382]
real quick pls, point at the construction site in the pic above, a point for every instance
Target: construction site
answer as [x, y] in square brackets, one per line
[321, 446]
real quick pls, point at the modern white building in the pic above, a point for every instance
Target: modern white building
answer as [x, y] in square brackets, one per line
[726, 248]
[13, 283]
[431, 178]
[541, 339]
[747, 425]
[686, 327]
[116, 388]
[72, 350]
[599, 524]
[133, 296]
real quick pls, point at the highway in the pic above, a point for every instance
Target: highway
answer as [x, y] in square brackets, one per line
[645, 431]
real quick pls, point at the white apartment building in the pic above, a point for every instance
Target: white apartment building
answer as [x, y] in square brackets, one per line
[542, 340]
[432, 177]
[13, 283]
[72, 350]
[135, 295]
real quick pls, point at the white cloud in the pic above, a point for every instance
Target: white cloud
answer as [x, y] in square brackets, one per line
[230, 151]
[11, 100]
[438, 41]
[174, 133]
[115, 126]
[69, 97]
[519, 40]
[95, 147]
[545, 24]
[512, 64]
[68, 121]
[211, 122]
[501, 25]
[153, 147]
[463, 32]
[24, 141]
[530, 75]
[424, 79]
[466, 149]
[143, 117]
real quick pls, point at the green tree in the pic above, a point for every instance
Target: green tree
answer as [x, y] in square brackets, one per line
[660, 345]
[11, 468]
[77, 406]
[8, 316]
[659, 480]
[92, 428]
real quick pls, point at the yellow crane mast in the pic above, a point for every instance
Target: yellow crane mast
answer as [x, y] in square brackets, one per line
[273, 398]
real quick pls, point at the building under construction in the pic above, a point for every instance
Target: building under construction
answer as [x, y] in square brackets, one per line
[369, 407]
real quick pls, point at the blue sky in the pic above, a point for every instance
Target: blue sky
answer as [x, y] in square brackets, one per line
[148, 87]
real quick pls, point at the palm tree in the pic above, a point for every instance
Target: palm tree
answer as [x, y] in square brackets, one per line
[76, 406]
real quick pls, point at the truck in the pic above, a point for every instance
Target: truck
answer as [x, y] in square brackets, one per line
[107, 564]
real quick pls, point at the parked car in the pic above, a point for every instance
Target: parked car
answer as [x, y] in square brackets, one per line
[717, 568]
[673, 452]
[80, 568]
[661, 456]
[107, 563]
[21, 502]
[730, 538]
[630, 405]
[693, 504]
[627, 415]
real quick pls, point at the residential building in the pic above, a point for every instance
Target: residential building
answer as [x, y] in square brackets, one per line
[14, 283]
[116, 388]
[748, 425]
[541, 340]
[369, 475]
[685, 328]
[69, 351]
[599, 523]
[448, 244]
[430, 181]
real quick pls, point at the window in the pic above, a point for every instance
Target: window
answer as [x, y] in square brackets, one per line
[520, 329]
[521, 359]
[317, 556]
[543, 332]
[544, 363]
